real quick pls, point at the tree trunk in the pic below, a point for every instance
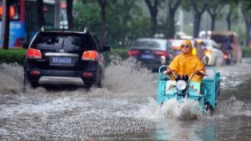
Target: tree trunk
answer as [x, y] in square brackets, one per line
[5, 24]
[153, 9]
[196, 28]
[171, 10]
[248, 28]
[102, 4]
[40, 14]
[103, 26]
[125, 21]
[229, 20]
[154, 23]
[126, 16]
[69, 14]
[171, 24]
[213, 18]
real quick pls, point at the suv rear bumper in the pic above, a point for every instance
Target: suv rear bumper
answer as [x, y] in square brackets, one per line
[60, 80]
[61, 76]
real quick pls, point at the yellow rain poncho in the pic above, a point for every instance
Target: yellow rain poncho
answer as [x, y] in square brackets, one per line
[187, 63]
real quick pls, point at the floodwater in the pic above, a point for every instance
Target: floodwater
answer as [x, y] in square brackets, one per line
[125, 109]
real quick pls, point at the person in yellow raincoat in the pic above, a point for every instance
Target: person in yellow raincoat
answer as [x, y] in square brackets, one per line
[186, 63]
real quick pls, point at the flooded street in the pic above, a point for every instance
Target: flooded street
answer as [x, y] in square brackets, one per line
[125, 109]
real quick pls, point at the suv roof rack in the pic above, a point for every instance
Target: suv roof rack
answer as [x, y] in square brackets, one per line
[42, 28]
[86, 30]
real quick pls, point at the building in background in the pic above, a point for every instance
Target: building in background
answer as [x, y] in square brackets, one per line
[23, 20]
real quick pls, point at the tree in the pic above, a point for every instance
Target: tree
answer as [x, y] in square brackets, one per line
[69, 13]
[87, 15]
[214, 9]
[246, 12]
[172, 6]
[153, 9]
[128, 24]
[198, 7]
[127, 5]
[103, 4]
[40, 14]
[5, 24]
[228, 18]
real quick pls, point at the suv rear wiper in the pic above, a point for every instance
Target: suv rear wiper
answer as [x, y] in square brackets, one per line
[63, 42]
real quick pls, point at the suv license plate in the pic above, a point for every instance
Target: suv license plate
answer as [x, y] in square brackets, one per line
[61, 60]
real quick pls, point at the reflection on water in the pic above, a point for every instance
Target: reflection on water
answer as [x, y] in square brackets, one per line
[185, 131]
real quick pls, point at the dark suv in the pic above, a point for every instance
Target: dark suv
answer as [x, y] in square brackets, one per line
[65, 57]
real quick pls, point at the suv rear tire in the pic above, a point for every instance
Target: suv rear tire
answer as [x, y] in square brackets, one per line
[100, 82]
[88, 85]
[34, 84]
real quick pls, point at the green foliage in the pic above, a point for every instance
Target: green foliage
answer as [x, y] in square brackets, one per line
[12, 56]
[124, 24]
[87, 15]
[121, 52]
[246, 10]
[246, 52]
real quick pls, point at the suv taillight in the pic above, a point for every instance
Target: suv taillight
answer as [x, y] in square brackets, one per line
[34, 53]
[90, 55]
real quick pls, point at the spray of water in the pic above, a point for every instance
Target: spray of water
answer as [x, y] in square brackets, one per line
[150, 111]
[229, 108]
[128, 78]
[11, 78]
[171, 109]
[185, 110]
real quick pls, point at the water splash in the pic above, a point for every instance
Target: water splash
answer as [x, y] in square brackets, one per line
[185, 110]
[230, 108]
[150, 111]
[127, 77]
[11, 76]
[172, 109]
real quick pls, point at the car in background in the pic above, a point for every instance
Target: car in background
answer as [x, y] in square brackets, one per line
[64, 57]
[182, 35]
[221, 36]
[205, 34]
[176, 43]
[207, 47]
[149, 51]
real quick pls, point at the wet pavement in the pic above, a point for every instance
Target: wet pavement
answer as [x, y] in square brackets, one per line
[125, 109]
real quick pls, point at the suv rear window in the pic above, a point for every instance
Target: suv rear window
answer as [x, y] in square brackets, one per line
[68, 41]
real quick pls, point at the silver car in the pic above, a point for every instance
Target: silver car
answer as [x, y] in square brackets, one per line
[209, 48]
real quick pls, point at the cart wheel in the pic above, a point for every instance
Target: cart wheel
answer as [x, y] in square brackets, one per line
[209, 109]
